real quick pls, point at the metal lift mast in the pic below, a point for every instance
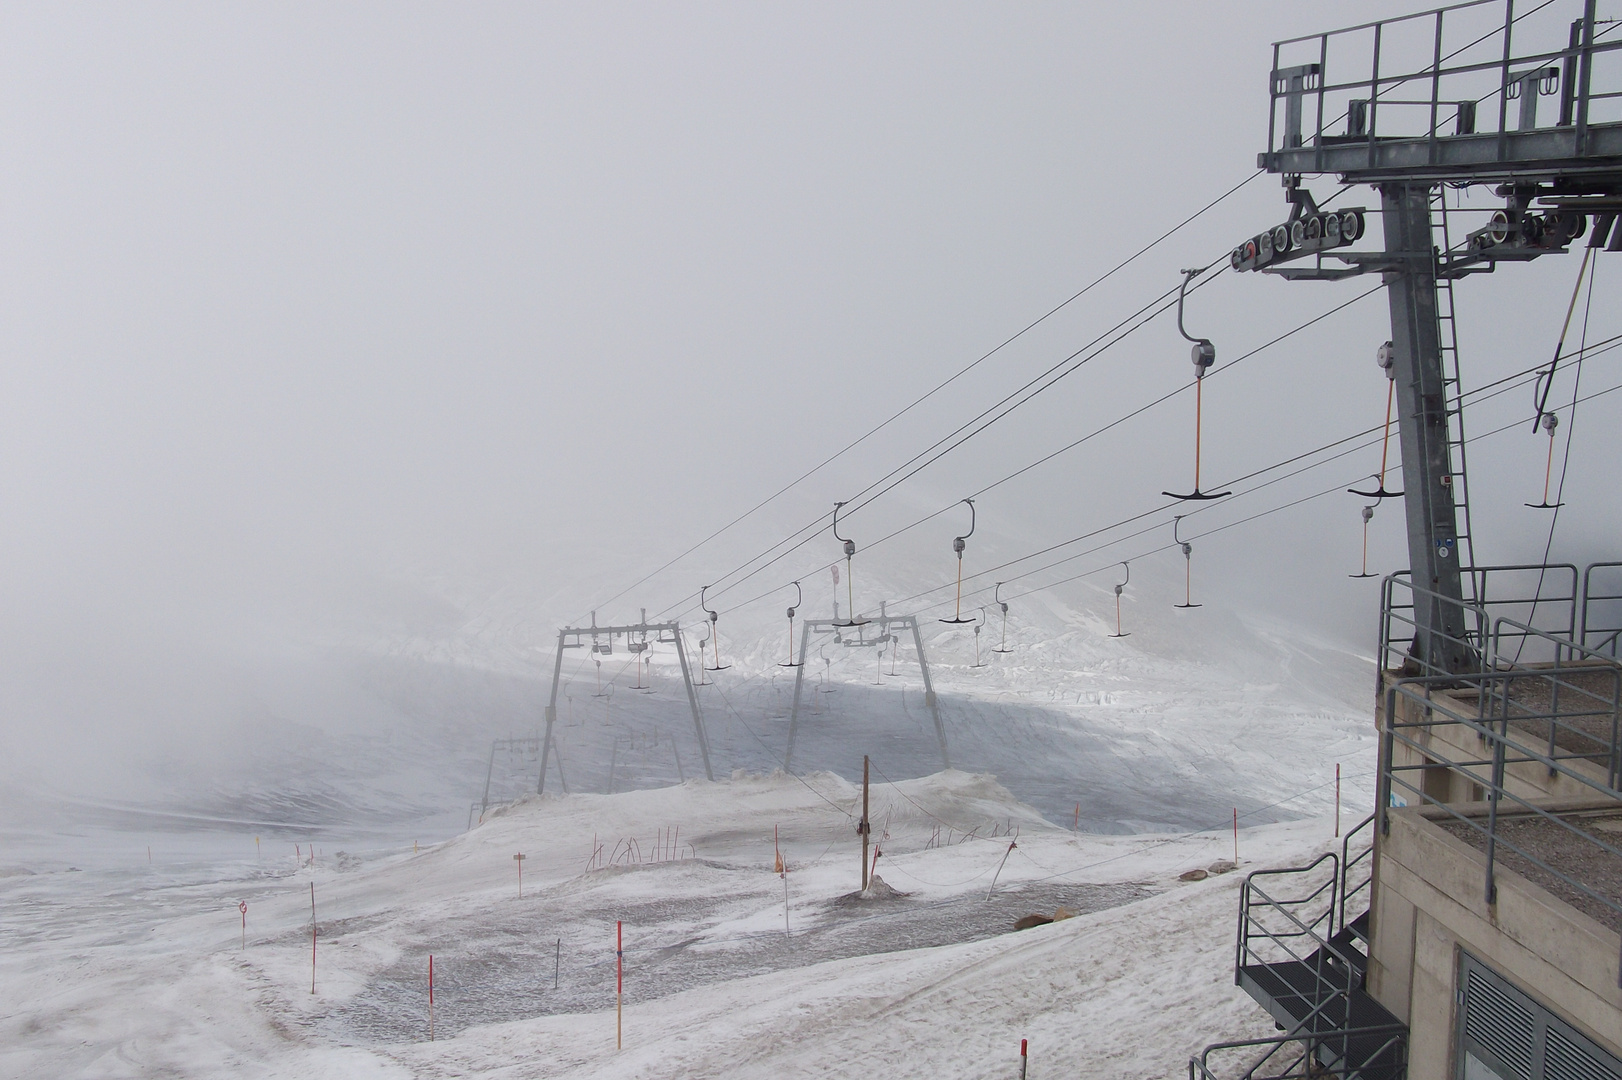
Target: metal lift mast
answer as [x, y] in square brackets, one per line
[1411, 148]
[883, 624]
[572, 637]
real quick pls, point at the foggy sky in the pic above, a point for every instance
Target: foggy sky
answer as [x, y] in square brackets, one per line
[329, 322]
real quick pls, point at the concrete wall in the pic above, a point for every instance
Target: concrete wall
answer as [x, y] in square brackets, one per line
[1430, 903]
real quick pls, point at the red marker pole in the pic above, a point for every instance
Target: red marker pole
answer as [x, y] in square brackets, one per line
[619, 985]
[1337, 798]
[430, 997]
[243, 907]
[1023, 1046]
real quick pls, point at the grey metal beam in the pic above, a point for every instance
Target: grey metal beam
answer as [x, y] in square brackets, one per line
[929, 694]
[1433, 549]
[799, 682]
[551, 718]
[692, 701]
[1544, 154]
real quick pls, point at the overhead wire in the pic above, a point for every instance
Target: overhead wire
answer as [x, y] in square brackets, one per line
[1112, 424]
[1027, 328]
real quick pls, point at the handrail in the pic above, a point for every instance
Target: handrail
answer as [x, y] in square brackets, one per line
[1480, 612]
[1589, 597]
[1300, 70]
[1252, 929]
[1491, 772]
[1347, 861]
[1302, 1065]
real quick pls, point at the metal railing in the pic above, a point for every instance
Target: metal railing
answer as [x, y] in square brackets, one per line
[1453, 71]
[1291, 1057]
[1547, 593]
[1602, 610]
[1490, 736]
[1356, 870]
[1287, 929]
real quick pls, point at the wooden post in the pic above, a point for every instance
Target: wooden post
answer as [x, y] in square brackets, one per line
[619, 985]
[519, 859]
[864, 828]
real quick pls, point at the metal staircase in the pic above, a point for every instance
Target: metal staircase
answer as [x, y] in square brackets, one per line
[1305, 962]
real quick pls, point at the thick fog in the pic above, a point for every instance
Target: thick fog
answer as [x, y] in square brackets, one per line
[342, 340]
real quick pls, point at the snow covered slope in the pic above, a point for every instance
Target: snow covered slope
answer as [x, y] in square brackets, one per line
[151, 979]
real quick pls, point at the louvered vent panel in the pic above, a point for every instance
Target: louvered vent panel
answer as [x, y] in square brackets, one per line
[1499, 1025]
[1565, 1060]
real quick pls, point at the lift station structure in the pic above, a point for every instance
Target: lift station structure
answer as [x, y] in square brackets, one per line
[1471, 927]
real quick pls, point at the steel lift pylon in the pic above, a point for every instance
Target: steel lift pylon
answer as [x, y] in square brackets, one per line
[576, 637]
[884, 623]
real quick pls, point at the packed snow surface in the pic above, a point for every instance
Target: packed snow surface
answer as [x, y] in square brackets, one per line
[1089, 776]
[720, 975]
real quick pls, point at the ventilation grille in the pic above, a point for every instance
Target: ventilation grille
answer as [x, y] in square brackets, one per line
[1500, 1025]
[1565, 1060]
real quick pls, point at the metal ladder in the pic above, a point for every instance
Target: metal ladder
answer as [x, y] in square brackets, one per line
[1448, 336]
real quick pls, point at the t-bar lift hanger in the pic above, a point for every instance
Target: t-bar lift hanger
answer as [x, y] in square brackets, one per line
[1188, 570]
[1550, 422]
[1386, 357]
[715, 634]
[799, 598]
[1368, 515]
[958, 544]
[850, 586]
[1118, 590]
[996, 596]
[1203, 355]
